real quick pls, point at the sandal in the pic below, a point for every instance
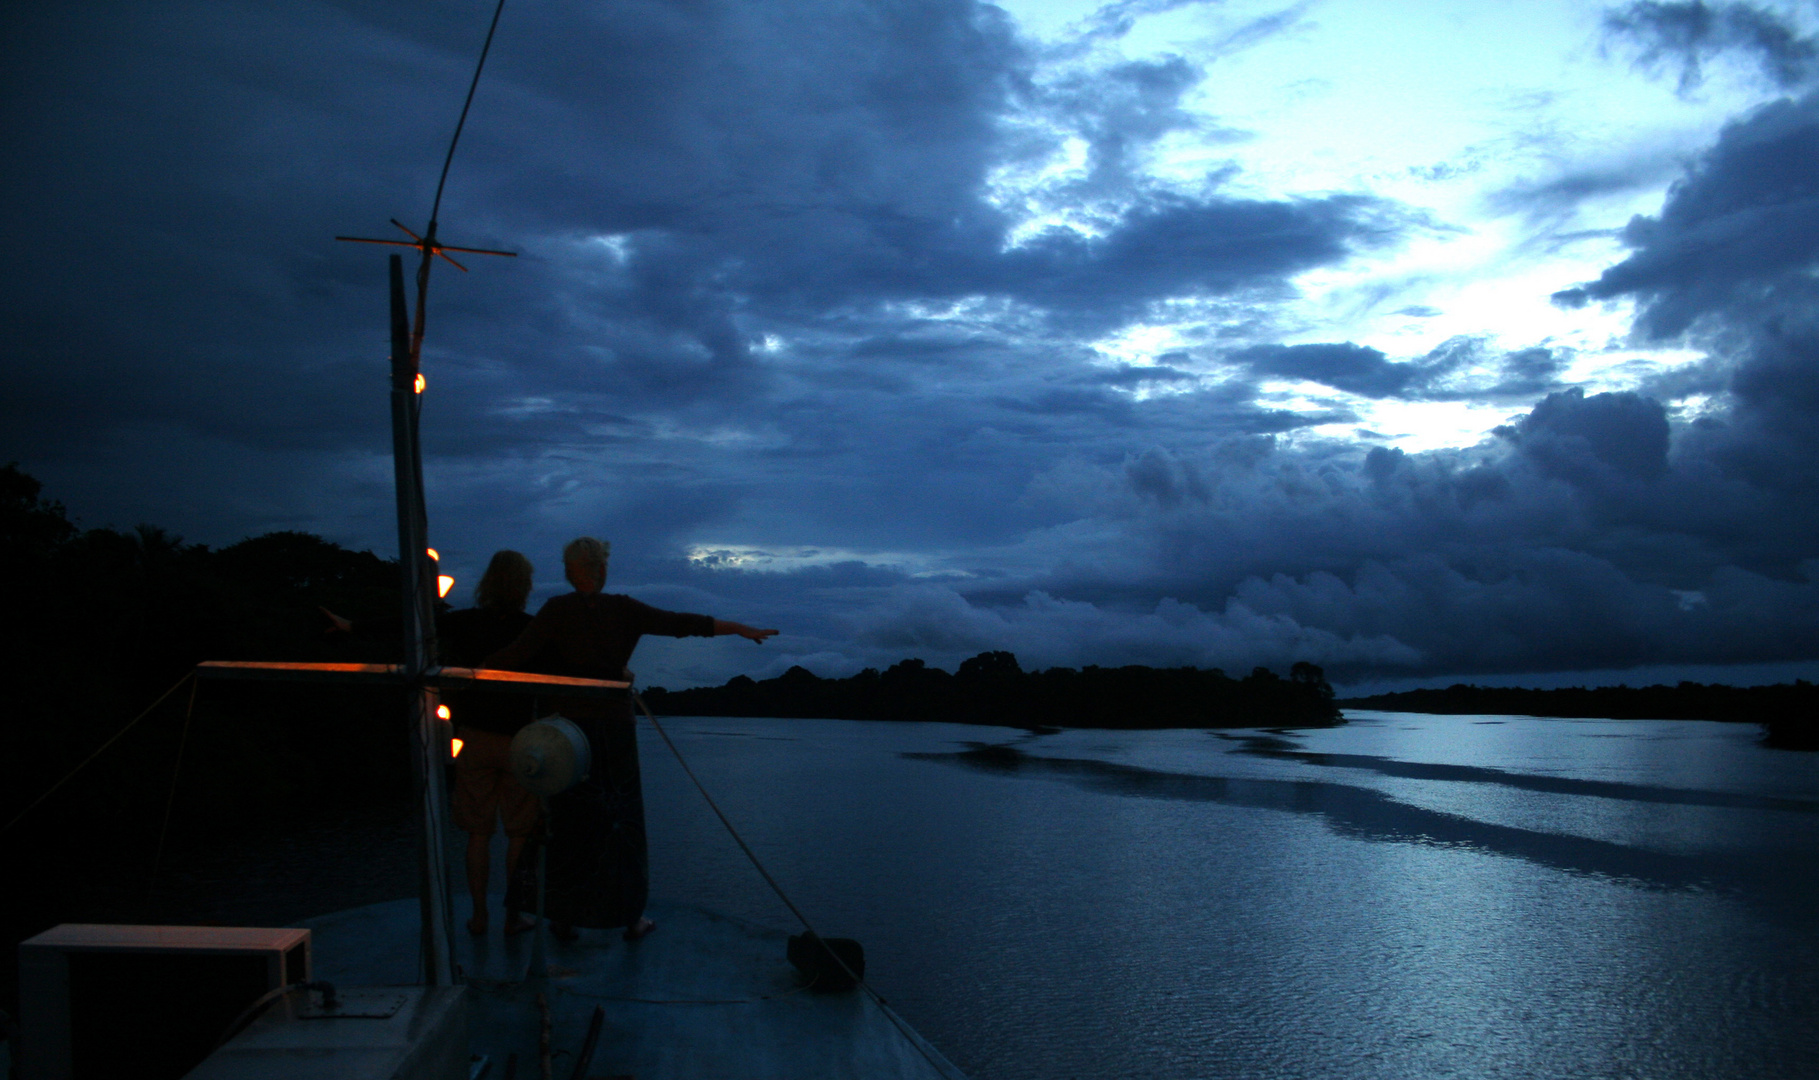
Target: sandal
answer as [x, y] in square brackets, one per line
[639, 929]
[517, 924]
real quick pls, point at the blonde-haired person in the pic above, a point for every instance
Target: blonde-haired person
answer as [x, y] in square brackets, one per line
[485, 790]
[506, 585]
[597, 871]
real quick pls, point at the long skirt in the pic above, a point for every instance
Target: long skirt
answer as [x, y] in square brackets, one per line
[599, 867]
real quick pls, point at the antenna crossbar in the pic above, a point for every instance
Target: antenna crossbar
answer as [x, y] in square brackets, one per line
[428, 245]
[439, 247]
[418, 593]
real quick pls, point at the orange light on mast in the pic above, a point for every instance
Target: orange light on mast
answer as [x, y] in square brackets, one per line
[443, 582]
[454, 745]
[420, 383]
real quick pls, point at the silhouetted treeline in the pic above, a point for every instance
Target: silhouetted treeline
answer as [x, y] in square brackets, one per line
[992, 688]
[1789, 714]
[95, 624]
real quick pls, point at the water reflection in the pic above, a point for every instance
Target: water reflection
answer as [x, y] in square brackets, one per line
[1275, 746]
[1166, 904]
[1763, 878]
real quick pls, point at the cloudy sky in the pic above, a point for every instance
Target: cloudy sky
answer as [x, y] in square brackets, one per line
[1422, 340]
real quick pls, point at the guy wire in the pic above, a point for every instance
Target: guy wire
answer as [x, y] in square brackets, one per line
[462, 122]
[883, 1006]
[151, 882]
[52, 790]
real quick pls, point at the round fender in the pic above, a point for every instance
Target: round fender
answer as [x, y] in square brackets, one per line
[551, 756]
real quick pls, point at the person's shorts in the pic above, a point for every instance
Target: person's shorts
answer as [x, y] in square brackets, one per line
[485, 789]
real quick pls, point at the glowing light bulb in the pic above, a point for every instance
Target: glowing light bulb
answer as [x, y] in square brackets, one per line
[442, 711]
[454, 748]
[433, 555]
[443, 584]
[420, 383]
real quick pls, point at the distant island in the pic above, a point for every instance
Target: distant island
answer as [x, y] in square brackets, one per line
[992, 688]
[1788, 713]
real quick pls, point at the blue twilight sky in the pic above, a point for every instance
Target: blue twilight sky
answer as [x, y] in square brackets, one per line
[1422, 340]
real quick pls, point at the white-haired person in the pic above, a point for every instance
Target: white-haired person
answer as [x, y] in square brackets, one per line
[597, 870]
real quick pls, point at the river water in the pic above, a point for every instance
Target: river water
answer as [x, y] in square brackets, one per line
[1406, 896]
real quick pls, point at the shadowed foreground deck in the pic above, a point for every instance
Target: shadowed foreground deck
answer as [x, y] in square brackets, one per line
[703, 996]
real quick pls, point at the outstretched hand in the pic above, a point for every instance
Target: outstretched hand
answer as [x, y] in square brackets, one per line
[337, 624]
[752, 633]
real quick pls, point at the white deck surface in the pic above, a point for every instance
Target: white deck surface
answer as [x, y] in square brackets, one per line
[717, 998]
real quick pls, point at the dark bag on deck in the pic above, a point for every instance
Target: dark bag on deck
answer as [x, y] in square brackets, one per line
[809, 954]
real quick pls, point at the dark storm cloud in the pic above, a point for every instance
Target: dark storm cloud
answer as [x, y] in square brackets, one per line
[1735, 232]
[1558, 195]
[1596, 530]
[767, 312]
[1165, 478]
[1346, 366]
[1133, 375]
[1590, 536]
[1122, 109]
[1736, 226]
[1727, 266]
[681, 179]
[1584, 440]
[1690, 34]
[1530, 371]
[1457, 369]
[1171, 246]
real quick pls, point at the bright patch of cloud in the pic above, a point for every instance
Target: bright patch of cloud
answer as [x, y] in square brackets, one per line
[783, 559]
[1514, 127]
[1419, 426]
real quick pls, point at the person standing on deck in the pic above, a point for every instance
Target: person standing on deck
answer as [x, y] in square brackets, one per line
[485, 789]
[598, 872]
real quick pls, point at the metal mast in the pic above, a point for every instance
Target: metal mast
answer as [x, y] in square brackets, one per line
[430, 733]
[420, 673]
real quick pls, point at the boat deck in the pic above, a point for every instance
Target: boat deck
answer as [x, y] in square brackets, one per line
[703, 996]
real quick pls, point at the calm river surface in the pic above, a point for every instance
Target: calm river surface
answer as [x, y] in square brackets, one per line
[1407, 896]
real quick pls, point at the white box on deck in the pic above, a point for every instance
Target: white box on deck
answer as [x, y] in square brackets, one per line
[98, 1002]
[425, 1038]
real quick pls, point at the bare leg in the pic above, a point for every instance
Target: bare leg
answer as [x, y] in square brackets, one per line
[514, 854]
[479, 869]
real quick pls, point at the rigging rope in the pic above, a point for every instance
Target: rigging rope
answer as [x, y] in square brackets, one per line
[151, 883]
[501, 984]
[459, 124]
[889, 1014]
[98, 752]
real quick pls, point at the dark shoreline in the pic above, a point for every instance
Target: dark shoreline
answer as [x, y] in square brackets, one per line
[1787, 712]
[993, 689]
